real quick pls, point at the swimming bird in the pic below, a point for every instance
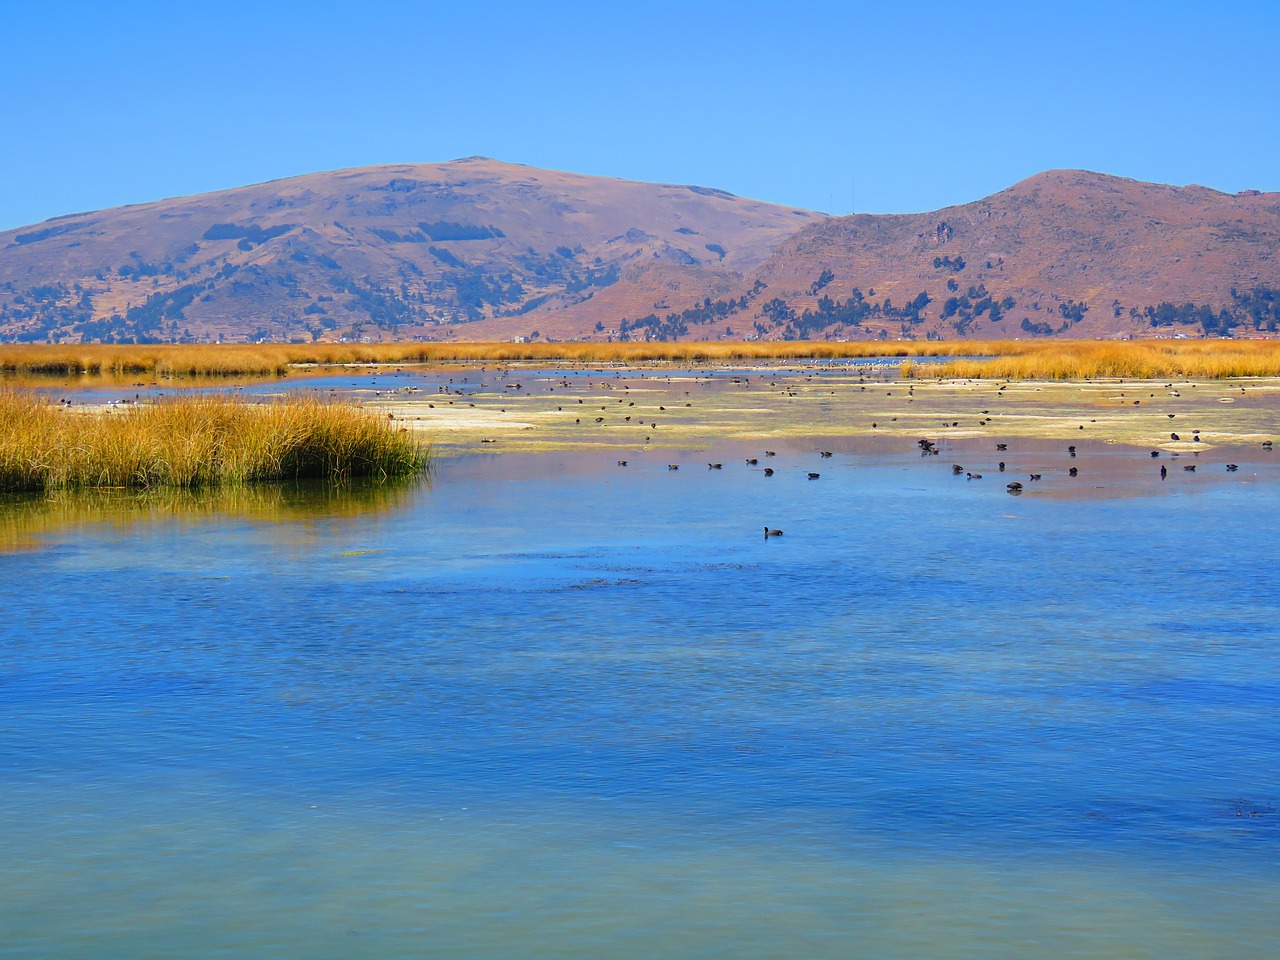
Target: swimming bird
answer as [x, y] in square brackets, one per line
[1174, 436]
[1002, 446]
[973, 476]
[1002, 466]
[768, 471]
[770, 453]
[957, 469]
[1073, 471]
[1232, 467]
[673, 466]
[824, 453]
[1164, 471]
[715, 466]
[622, 463]
[752, 461]
[1014, 487]
[771, 533]
[1035, 476]
[814, 476]
[1190, 468]
[1155, 453]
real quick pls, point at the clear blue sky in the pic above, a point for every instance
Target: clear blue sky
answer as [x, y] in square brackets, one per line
[889, 107]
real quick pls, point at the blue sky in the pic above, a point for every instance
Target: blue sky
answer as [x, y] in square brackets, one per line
[877, 107]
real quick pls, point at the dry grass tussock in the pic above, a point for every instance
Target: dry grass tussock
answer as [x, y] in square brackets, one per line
[197, 442]
[1131, 359]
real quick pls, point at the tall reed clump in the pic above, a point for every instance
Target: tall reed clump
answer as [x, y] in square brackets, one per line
[198, 442]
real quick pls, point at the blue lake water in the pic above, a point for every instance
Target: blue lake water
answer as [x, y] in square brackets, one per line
[549, 707]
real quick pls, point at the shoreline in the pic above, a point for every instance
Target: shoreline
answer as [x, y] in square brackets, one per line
[705, 407]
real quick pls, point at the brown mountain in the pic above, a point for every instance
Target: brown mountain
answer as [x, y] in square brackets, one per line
[477, 249]
[1065, 252]
[472, 249]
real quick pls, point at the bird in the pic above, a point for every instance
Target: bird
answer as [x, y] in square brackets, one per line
[622, 463]
[771, 533]
[1002, 446]
[1002, 466]
[673, 466]
[768, 471]
[1232, 467]
[715, 466]
[1164, 471]
[1073, 471]
[752, 461]
[814, 476]
[1035, 476]
[1174, 436]
[1190, 468]
[824, 453]
[973, 476]
[957, 469]
[770, 453]
[1014, 487]
[1155, 453]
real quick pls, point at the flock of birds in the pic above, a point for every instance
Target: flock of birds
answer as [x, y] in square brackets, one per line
[629, 415]
[930, 448]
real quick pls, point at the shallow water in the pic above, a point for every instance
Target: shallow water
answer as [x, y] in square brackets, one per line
[552, 707]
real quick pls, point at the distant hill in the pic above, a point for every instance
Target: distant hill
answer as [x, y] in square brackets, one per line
[1066, 252]
[477, 249]
[471, 249]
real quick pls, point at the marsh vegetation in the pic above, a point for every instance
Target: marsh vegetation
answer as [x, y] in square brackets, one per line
[197, 442]
[1130, 359]
[1006, 359]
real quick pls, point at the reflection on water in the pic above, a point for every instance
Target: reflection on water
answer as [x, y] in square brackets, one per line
[551, 707]
[26, 518]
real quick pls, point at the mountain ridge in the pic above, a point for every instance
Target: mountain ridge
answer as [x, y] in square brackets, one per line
[476, 248]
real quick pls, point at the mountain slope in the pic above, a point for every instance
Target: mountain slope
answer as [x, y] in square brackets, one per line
[410, 250]
[1068, 252]
[477, 249]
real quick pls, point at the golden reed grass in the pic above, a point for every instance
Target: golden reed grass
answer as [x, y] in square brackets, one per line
[1007, 359]
[276, 359]
[1130, 359]
[197, 442]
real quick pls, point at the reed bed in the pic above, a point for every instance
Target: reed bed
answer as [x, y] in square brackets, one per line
[195, 442]
[1008, 359]
[213, 360]
[1141, 360]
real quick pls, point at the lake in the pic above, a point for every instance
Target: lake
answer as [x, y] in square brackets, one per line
[545, 706]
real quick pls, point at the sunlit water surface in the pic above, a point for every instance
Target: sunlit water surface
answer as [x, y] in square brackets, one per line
[548, 707]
